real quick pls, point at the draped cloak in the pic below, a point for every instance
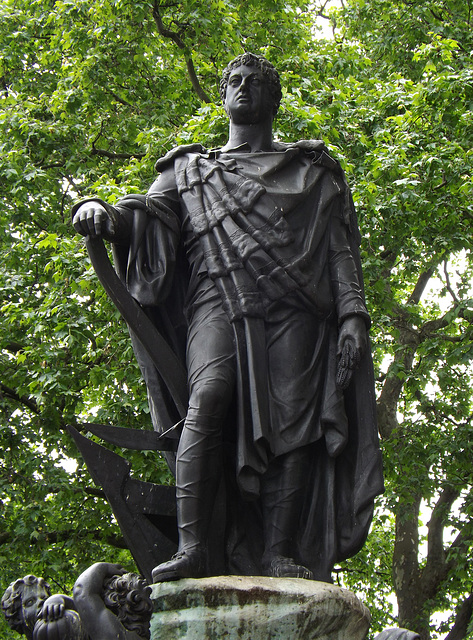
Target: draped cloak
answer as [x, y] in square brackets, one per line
[270, 237]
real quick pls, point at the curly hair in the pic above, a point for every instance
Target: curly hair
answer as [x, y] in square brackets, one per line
[128, 598]
[12, 600]
[266, 68]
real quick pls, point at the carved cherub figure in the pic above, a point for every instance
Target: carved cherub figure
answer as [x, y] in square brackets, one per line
[109, 604]
[113, 604]
[22, 601]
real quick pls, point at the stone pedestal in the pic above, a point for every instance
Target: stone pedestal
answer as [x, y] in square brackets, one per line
[244, 608]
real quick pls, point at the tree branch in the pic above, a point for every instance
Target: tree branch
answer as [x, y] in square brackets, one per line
[463, 616]
[120, 100]
[436, 568]
[406, 574]
[391, 391]
[448, 283]
[24, 400]
[419, 288]
[109, 154]
[409, 340]
[440, 323]
[320, 11]
[175, 37]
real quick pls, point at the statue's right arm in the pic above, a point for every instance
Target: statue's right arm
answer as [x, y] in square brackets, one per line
[92, 219]
[98, 621]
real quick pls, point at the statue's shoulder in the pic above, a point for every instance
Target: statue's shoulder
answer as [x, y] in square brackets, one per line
[181, 150]
[320, 156]
[316, 150]
[305, 145]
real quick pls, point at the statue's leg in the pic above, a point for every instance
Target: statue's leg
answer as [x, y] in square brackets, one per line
[283, 490]
[298, 353]
[211, 368]
[198, 472]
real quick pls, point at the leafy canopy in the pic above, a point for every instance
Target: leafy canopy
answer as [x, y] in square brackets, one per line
[92, 93]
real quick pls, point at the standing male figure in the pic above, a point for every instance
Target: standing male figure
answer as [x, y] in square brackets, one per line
[261, 240]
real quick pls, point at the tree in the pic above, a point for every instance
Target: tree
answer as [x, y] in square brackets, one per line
[92, 94]
[411, 159]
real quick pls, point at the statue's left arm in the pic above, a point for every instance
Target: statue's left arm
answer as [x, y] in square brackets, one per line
[352, 315]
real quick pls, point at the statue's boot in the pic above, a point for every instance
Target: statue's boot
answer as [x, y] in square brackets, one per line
[283, 488]
[198, 472]
[183, 564]
[286, 567]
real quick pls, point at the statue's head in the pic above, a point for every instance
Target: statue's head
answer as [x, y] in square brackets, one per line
[267, 71]
[22, 601]
[128, 597]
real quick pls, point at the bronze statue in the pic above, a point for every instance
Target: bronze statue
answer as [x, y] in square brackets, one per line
[247, 259]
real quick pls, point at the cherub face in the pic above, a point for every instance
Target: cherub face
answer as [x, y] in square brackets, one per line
[32, 599]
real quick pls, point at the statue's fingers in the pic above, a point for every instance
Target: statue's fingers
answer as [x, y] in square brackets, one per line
[357, 356]
[348, 352]
[90, 220]
[344, 375]
[48, 615]
[344, 356]
[98, 217]
[354, 355]
[79, 223]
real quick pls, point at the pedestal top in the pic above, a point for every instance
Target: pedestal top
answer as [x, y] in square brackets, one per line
[256, 608]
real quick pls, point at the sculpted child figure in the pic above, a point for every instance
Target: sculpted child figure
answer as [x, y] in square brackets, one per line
[113, 604]
[247, 258]
[108, 604]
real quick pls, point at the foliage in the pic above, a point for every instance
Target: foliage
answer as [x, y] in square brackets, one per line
[92, 93]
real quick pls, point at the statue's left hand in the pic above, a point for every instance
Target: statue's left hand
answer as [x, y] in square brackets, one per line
[352, 342]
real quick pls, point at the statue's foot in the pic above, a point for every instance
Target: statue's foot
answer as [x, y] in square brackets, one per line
[282, 567]
[184, 564]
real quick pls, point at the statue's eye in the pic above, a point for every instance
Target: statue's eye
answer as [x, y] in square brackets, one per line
[29, 602]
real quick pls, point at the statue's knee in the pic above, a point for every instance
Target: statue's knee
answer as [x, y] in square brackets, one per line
[210, 400]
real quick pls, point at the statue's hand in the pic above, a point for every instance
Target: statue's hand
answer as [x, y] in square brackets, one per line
[352, 341]
[53, 608]
[91, 219]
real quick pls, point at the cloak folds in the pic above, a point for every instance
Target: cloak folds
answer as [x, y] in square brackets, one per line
[280, 246]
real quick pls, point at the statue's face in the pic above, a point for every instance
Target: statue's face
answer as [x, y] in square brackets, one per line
[248, 99]
[32, 599]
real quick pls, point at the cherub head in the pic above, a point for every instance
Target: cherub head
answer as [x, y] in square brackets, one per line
[22, 601]
[127, 596]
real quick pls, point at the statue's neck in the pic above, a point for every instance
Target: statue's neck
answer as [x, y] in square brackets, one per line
[258, 136]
